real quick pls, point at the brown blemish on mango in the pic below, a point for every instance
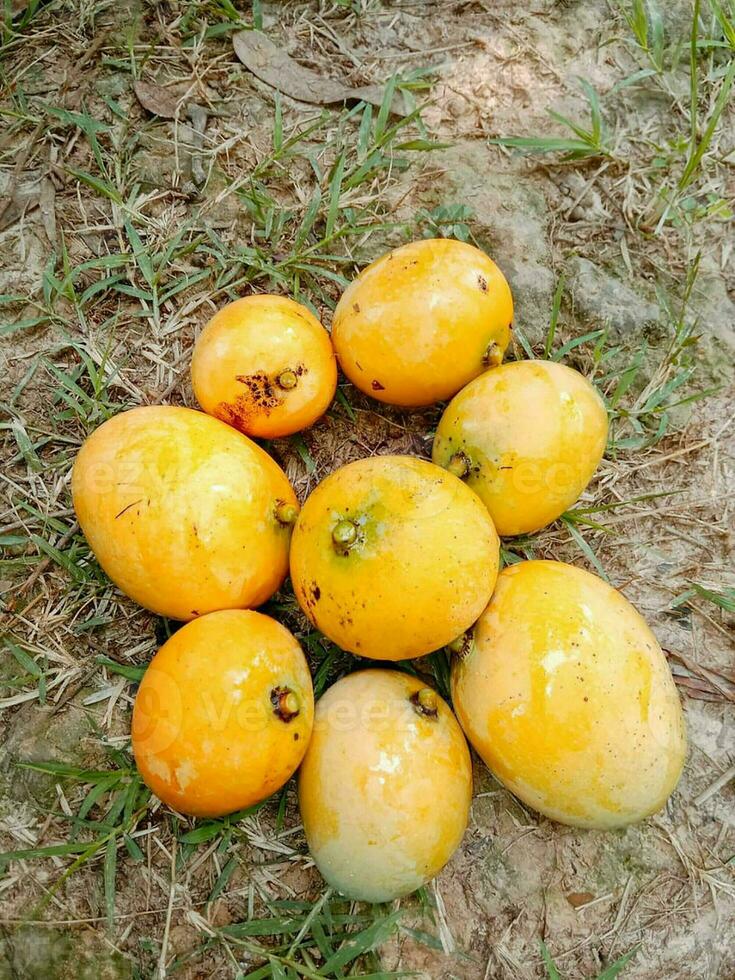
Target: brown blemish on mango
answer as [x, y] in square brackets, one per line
[262, 396]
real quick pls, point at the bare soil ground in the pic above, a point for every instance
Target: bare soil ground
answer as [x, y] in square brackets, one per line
[121, 231]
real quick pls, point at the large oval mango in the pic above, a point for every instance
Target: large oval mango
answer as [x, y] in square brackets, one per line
[566, 695]
[385, 786]
[183, 513]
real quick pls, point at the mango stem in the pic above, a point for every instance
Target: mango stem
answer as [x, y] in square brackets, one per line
[285, 703]
[425, 702]
[344, 535]
[459, 464]
[462, 645]
[287, 379]
[493, 355]
[286, 513]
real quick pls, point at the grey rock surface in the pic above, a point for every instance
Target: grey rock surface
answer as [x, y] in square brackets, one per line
[608, 301]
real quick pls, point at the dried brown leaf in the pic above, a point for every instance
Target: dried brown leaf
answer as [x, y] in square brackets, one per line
[156, 99]
[273, 66]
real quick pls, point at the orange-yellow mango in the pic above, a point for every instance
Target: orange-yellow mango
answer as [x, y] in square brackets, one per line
[393, 557]
[183, 513]
[385, 786]
[566, 695]
[265, 365]
[422, 321]
[223, 714]
[527, 437]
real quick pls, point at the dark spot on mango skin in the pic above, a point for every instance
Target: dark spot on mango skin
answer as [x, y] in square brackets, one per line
[482, 283]
[120, 514]
[261, 397]
[356, 307]
[377, 386]
[312, 595]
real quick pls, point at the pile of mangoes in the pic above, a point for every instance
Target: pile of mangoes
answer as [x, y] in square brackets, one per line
[556, 680]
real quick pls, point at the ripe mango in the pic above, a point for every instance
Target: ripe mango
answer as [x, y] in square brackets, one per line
[385, 786]
[223, 714]
[527, 437]
[393, 557]
[422, 321]
[183, 513]
[566, 695]
[265, 365]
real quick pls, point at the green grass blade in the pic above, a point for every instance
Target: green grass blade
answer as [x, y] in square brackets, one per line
[538, 144]
[612, 971]
[52, 850]
[61, 558]
[102, 187]
[697, 153]
[385, 106]
[142, 258]
[585, 548]
[303, 450]
[577, 342]
[724, 600]
[335, 189]
[365, 131]
[109, 874]
[555, 308]
[124, 670]
[278, 124]
[726, 24]
[693, 77]
[595, 112]
[222, 879]
[551, 970]
[658, 37]
[375, 934]
[27, 663]
[96, 793]
[308, 220]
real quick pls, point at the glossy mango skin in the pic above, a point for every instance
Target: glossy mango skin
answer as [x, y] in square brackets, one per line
[421, 571]
[384, 791]
[242, 353]
[415, 326]
[180, 511]
[568, 698]
[206, 735]
[533, 433]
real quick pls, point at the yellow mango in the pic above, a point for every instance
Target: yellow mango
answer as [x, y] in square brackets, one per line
[393, 557]
[265, 365]
[385, 786]
[183, 513]
[566, 695]
[422, 321]
[527, 437]
[223, 714]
